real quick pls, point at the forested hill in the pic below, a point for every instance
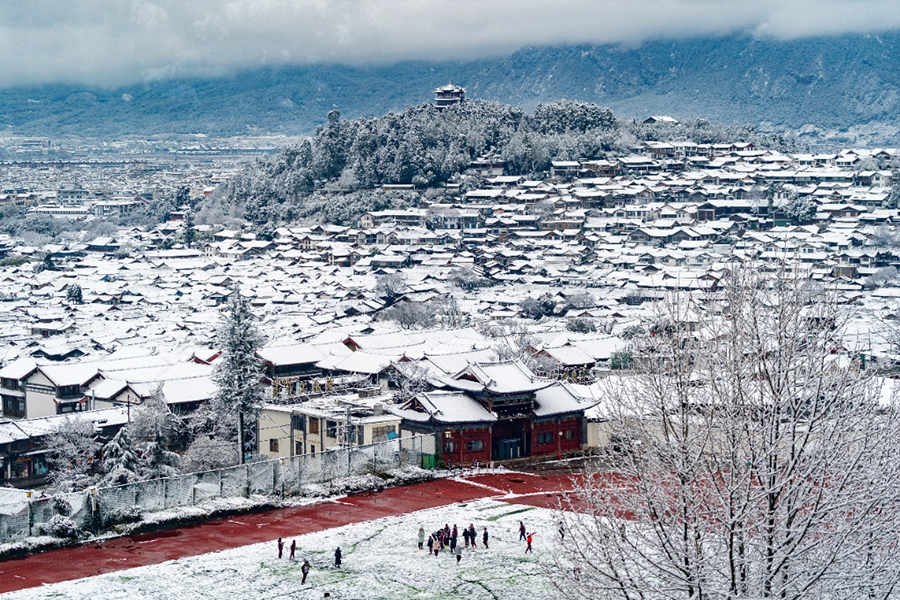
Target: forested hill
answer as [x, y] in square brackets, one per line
[333, 175]
[830, 82]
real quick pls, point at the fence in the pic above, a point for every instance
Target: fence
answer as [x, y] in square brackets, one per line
[98, 508]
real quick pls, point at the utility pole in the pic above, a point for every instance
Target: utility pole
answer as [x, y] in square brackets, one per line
[241, 435]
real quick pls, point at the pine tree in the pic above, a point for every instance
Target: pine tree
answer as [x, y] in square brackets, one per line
[158, 461]
[120, 463]
[238, 397]
[74, 294]
[189, 232]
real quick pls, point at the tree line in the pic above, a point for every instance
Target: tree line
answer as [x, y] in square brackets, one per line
[333, 174]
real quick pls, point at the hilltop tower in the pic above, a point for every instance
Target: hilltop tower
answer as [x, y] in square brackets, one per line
[449, 95]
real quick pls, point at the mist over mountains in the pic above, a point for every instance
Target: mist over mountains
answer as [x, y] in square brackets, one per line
[830, 83]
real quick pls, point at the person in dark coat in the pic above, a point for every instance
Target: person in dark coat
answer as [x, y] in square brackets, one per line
[293, 548]
[280, 547]
[466, 537]
[430, 544]
[472, 534]
[305, 570]
[452, 543]
[484, 538]
[337, 557]
[522, 535]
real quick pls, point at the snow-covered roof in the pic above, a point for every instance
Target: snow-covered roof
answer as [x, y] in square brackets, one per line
[11, 431]
[498, 378]
[18, 369]
[556, 400]
[444, 407]
[296, 354]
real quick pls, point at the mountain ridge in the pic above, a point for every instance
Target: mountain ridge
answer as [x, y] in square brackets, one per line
[831, 83]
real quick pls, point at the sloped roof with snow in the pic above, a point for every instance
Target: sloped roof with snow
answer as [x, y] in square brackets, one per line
[556, 400]
[498, 378]
[444, 407]
[296, 354]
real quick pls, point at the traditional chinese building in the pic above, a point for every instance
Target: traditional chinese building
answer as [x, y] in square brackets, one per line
[449, 95]
[498, 411]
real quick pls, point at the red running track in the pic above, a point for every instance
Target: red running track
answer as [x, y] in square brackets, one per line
[221, 534]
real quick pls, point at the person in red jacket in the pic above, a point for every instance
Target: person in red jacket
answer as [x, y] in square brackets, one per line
[528, 539]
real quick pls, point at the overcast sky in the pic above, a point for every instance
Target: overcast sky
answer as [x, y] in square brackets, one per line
[113, 42]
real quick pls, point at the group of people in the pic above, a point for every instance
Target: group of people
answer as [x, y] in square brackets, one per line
[304, 569]
[447, 538]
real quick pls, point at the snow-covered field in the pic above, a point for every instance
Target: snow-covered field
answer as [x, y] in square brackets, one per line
[381, 560]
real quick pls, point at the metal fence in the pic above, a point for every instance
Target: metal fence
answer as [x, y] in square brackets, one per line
[100, 508]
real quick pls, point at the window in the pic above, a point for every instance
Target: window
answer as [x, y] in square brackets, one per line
[570, 434]
[313, 426]
[331, 429]
[544, 438]
[449, 447]
[273, 445]
[378, 432]
[312, 449]
[298, 422]
[69, 408]
[298, 448]
[13, 406]
[474, 445]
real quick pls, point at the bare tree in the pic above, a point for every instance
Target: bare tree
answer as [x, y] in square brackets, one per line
[754, 459]
[390, 286]
[409, 378]
[71, 450]
[411, 315]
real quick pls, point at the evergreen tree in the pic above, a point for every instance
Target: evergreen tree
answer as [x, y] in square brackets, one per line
[190, 234]
[238, 397]
[158, 461]
[73, 294]
[120, 463]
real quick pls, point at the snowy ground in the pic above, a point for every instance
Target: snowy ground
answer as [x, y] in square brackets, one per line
[380, 561]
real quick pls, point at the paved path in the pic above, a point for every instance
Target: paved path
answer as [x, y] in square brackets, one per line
[220, 534]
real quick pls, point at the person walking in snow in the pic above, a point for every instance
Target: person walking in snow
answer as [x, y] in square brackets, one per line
[484, 538]
[305, 570]
[458, 552]
[452, 544]
[522, 535]
[528, 539]
[466, 537]
[422, 538]
[430, 544]
[472, 534]
[293, 548]
[280, 547]
[337, 557]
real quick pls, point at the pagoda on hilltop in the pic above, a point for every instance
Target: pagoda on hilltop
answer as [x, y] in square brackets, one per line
[449, 95]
